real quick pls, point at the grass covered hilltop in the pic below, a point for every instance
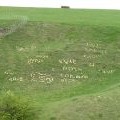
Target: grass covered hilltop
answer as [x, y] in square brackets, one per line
[65, 61]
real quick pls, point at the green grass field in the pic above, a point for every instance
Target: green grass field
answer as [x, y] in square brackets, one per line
[65, 61]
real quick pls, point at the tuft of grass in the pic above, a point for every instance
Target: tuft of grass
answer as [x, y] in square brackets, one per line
[15, 108]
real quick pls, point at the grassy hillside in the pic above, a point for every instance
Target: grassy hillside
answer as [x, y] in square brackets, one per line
[72, 16]
[67, 62]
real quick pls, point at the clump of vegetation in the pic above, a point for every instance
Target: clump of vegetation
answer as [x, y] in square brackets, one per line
[15, 108]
